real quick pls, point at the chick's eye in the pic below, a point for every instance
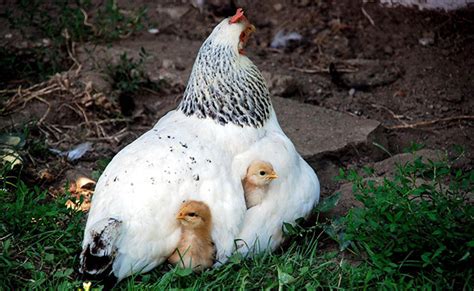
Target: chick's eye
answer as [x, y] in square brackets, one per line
[262, 173]
[191, 214]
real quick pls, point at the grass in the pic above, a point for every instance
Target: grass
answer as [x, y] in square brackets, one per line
[427, 246]
[39, 239]
[415, 231]
[128, 78]
[53, 18]
[418, 224]
[60, 23]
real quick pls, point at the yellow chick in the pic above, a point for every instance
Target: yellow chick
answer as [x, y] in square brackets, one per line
[259, 175]
[195, 249]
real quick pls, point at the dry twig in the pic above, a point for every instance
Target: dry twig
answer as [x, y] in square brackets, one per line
[396, 116]
[367, 16]
[318, 70]
[432, 122]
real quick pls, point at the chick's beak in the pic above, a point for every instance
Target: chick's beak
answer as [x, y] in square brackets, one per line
[272, 176]
[180, 216]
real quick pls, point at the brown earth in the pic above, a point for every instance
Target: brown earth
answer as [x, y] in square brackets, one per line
[399, 66]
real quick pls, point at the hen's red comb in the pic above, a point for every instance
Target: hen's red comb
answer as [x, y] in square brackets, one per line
[238, 15]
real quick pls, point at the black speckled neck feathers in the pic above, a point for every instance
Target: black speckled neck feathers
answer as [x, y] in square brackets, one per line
[226, 87]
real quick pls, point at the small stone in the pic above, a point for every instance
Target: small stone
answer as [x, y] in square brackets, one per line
[371, 73]
[388, 167]
[46, 42]
[455, 98]
[277, 6]
[167, 64]
[153, 30]
[97, 81]
[284, 85]
[427, 39]
[340, 45]
[335, 130]
[352, 92]
[179, 64]
[286, 40]
[445, 52]
[174, 12]
[302, 3]
[8, 35]
[388, 50]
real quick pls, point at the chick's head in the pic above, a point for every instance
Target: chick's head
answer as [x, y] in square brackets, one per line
[261, 173]
[194, 214]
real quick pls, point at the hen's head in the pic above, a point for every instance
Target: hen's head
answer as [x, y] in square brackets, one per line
[233, 31]
[261, 173]
[225, 85]
[194, 214]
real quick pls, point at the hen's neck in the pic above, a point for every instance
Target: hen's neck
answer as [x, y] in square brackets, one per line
[227, 88]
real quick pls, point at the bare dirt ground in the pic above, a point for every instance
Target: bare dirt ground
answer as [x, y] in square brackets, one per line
[410, 70]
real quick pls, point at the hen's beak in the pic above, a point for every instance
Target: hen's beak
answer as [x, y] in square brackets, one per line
[247, 32]
[272, 176]
[251, 29]
[244, 37]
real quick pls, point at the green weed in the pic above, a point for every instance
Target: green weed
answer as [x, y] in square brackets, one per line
[52, 19]
[38, 234]
[59, 23]
[417, 225]
[111, 23]
[128, 78]
[39, 239]
[415, 232]
[100, 166]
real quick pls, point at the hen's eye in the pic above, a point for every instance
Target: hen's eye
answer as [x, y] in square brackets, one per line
[192, 214]
[262, 173]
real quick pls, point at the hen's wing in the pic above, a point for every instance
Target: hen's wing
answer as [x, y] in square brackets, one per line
[145, 183]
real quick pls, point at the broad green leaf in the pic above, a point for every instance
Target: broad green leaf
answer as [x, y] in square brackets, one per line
[284, 278]
[329, 203]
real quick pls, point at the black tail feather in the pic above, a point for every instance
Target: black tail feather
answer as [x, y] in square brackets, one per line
[92, 264]
[98, 254]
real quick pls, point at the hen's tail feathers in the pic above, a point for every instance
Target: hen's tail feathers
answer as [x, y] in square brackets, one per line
[98, 253]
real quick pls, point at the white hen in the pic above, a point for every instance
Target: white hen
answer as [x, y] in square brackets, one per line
[199, 151]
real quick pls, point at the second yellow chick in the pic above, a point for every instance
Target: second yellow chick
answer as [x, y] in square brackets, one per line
[259, 176]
